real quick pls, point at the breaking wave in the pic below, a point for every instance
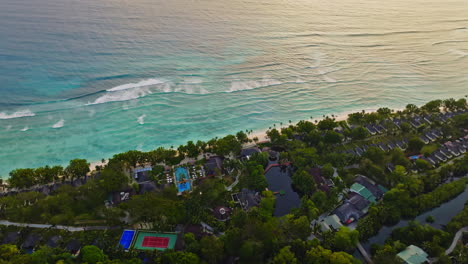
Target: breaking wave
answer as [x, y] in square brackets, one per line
[18, 114]
[59, 124]
[133, 91]
[141, 119]
[143, 83]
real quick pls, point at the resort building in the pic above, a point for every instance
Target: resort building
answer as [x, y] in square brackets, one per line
[413, 255]
[363, 191]
[74, 247]
[30, 242]
[214, 166]
[248, 152]
[330, 223]
[222, 213]
[322, 183]
[142, 174]
[54, 241]
[247, 199]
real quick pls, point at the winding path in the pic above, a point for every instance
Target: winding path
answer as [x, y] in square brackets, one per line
[455, 240]
[229, 188]
[45, 226]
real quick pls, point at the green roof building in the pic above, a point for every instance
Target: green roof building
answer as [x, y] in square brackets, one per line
[363, 191]
[413, 255]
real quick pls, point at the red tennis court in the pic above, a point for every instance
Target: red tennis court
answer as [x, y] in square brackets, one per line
[156, 242]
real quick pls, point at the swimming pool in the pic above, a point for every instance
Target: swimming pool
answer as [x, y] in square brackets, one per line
[181, 174]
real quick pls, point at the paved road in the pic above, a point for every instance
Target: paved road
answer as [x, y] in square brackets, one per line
[364, 253]
[455, 240]
[45, 226]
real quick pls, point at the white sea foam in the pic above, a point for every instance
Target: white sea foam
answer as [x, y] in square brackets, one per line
[250, 85]
[141, 119]
[18, 114]
[26, 128]
[59, 124]
[8, 128]
[194, 86]
[143, 83]
[122, 95]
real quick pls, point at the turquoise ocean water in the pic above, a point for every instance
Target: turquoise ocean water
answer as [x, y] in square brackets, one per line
[88, 79]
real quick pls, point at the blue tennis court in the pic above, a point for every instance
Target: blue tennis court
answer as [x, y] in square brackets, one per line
[127, 238]
[182, 179]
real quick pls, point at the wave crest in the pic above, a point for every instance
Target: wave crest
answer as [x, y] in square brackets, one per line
[18, 114]
[59, 124]
[141, 119]
[133, 91]
[143, 83]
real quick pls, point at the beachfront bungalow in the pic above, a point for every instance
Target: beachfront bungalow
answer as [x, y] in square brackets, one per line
[247, 198]
[415, 123]
[445, 152]
[414, 255]
[370, 129]
[380, 127]
[400, 144]
[214, 166]
[391, 145]
[427, 119]
[430, 136]
[397, 122]
[359, 151]
[424, 139]
[383, 147]
[377, 129]
[431, 160]
[441, 157]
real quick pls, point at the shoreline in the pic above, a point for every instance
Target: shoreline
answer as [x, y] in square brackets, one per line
[261, 133]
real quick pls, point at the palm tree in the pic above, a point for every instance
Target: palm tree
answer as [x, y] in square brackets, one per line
[290, 121]
[281, 124]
